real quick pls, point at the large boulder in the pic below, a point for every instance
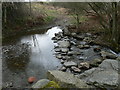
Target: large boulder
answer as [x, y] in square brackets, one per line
[64, 44]
[66, 80]
[106, 75]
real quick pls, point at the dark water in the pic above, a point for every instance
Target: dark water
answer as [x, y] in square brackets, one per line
[29, 56]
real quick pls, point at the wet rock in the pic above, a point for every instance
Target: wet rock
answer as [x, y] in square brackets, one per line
[41, 83]
[106, 75]
[88, 34]
[73, 43]
[65, 50]
[54, 38]
[75, 69]
[64, 44]
[56, 46]
[74, 53]
[31, 79]
[66, 80]
[59, 56]
[62, 61]
[55, 41]
[57, 49]
[70, 53]
[85, 65]
[66, 57]
[108, 55]
[63, 53]
[69, 64]
[95, 62]
[63, 68]
[73, 34]
[80, 46]
[86, 46]
[60, 34]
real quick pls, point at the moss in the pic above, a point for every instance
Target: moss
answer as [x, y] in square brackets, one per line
[51, 84]
[49, 19]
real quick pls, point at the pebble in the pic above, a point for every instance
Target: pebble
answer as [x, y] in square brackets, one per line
[31, 79]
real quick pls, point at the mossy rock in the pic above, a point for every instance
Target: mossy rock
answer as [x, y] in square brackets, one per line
[52, 84]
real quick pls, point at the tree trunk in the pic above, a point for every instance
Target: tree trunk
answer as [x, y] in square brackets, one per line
[30, 7]
[5, 15]
[114, 28]
[78, 22]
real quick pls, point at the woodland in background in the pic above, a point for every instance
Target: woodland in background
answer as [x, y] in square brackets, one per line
[106, 16]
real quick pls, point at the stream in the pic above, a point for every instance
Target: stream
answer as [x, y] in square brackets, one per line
[33, 55]
[28, 56]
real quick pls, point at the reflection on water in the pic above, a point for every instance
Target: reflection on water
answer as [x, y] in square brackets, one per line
[42, 49]
[40, 57]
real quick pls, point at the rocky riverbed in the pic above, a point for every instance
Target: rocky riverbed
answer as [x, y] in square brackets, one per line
[80, 56]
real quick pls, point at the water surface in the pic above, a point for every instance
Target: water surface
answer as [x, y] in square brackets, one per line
[30, 55]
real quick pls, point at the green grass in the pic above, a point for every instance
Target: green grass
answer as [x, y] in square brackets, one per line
[81, 18]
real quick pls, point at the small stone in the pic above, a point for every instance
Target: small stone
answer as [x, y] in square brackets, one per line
[59, 56]
[63, 68]
[73, 34]
[63, 53]
[54, 38]
[62, 61]
[70, 53]
[75, 69]
[84, 65]
[64, 44]
[69, 64]
[80, 46]
[64, 50]
[66, 57]
[57, 50]
[31, 79]
[72, 42]
[86, 46]
[88, 34]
